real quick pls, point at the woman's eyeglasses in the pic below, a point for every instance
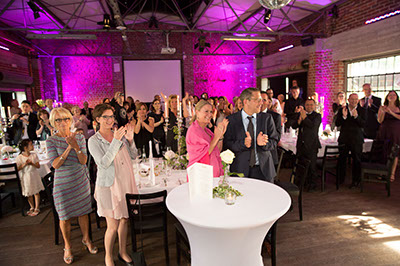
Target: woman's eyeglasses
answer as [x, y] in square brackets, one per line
[107, 117]
[59, 120]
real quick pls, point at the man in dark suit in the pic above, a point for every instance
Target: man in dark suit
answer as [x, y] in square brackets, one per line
[292, 106]
[371, 105]
[266, 107]
[25, 123]
[308, 143]
[88, 112]
[252, 136]
[351, 119]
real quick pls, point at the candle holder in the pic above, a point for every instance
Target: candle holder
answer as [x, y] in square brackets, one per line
[179, 123]
[230, 198]
[166, 124]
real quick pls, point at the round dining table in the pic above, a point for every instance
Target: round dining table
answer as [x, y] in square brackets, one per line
[231, 235]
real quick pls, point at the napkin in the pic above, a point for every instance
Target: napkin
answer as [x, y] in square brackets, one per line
[200, 181]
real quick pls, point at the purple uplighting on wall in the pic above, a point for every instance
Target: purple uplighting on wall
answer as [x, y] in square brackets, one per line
[86, 79]
[224, 75]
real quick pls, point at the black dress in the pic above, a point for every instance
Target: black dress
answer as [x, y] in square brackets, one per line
[159, 133]
[142, 139]
[335, 108]
[171, 141]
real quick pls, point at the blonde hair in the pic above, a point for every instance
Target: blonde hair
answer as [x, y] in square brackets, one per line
[75, 108]
[59, 112]
[172, 96]
[198, 107]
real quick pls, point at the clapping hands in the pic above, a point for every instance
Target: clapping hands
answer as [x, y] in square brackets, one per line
[71, 140]
[247, 140]
[262, 139]
[221, 128]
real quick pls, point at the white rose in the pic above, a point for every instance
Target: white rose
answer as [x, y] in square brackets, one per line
[7, 149]
[227, 156]
[169, 155]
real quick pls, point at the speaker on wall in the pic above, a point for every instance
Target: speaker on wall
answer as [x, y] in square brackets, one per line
[307, 40]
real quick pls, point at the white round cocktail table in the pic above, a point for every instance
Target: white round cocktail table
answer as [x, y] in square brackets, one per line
[221, 234]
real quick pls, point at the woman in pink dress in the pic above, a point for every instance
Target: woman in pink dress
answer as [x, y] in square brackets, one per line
[201, 142]
[113, 151]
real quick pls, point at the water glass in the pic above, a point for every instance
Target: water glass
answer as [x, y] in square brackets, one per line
[168, 170]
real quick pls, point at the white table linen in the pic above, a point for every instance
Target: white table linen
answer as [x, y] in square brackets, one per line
[289, 143]
[221, 234]
[43, 170]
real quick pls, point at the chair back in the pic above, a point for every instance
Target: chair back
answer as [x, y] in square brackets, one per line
[152, 209]
[301, 172]
[281, 153]
[377, 152]
[48, 183]
[393, 154]
[332, 152]
[10, 170]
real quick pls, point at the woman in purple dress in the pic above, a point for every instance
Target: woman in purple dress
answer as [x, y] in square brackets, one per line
[389, 117]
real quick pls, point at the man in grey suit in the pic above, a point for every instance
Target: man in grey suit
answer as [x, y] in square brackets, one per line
[251, 135]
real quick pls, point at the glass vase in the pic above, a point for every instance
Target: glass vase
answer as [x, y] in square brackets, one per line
[224, 179]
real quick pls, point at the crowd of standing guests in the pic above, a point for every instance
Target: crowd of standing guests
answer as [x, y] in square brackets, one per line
[118, 130]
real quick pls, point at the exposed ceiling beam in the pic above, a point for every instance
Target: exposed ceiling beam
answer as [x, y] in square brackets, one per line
[304, 9]
[184, 19]
[312, 22]
[140, 12]
[290, 21]
[73, 14]
[234, 12]
[255, 12]
[51, 14]
[6, 7]
[202, 13]
[159, 30]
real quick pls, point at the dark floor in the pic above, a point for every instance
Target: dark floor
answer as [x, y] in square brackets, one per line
[343, 227]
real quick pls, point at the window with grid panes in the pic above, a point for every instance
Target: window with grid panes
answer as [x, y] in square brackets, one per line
[383, 74]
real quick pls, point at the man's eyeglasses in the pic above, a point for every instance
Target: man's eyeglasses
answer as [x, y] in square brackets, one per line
[59, 120]
[257, 100]
[107, 117]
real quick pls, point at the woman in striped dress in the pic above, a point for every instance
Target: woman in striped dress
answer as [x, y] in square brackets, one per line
[71, 192]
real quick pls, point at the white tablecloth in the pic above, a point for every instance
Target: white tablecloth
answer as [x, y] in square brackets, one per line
[177, 178]
[43, 170]
[289, 143]
[221, 234]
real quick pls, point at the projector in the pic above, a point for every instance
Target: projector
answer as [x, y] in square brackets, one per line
[168, 50]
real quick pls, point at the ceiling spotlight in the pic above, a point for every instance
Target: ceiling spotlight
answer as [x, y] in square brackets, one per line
[267, 15]
[202, 44]
[153, 22]
[106, 22]
[34, 8]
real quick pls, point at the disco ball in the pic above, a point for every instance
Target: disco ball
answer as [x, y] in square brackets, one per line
[274, 4]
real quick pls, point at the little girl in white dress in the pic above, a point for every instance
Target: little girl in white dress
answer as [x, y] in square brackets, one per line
[31, 182]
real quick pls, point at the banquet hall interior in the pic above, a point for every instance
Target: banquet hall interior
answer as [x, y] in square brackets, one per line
[323, 75]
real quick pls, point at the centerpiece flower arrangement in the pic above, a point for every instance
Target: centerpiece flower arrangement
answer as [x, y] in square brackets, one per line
[6, 150]
[179, 160]
[223, 187]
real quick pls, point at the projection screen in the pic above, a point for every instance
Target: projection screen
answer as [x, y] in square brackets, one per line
[145, 78]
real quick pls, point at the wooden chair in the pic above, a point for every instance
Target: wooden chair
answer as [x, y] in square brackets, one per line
[48, 182]
[11, 171]
[281, 154]
[329, 164]
[378, 172]
[153, 211]
[182, 244]
[296, 185]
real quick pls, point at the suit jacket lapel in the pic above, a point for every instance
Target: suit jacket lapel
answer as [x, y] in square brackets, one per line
[259, 123]
[238, 117]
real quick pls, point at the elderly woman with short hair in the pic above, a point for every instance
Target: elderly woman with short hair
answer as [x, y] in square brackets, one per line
[71, 192]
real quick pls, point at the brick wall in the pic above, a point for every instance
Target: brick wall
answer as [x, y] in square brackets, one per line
[92, 78]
